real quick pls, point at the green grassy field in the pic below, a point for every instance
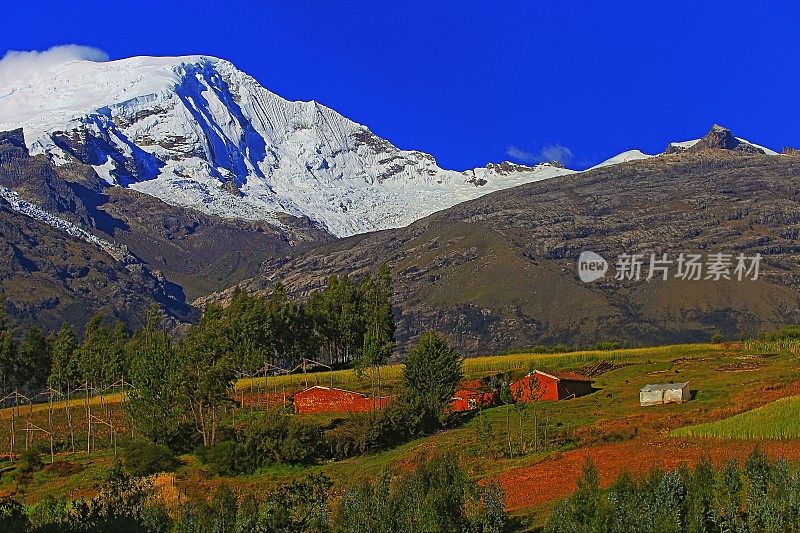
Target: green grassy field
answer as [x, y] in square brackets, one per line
[777, 420]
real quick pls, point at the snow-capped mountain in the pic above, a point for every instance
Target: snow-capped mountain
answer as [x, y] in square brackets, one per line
[197, 132]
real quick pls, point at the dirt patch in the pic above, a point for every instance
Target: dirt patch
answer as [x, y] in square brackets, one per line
[681, 360]
[555, 478]
[63, 468]
[600, 367]
[740, 366]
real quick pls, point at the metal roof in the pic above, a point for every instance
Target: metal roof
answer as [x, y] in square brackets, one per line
[663, 386]
[564, 376]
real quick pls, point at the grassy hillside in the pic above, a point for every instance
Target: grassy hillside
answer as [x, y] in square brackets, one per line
[777, 420]
[521, 450]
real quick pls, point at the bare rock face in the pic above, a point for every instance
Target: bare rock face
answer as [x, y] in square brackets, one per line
[49, 275]
[721, 138]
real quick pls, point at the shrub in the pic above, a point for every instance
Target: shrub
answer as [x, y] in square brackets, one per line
[143, 459]
[716, 338]
[762, 496]
[275, 437]
[224, 458]
[787, 333]
[12, 516]
[148, 458]
[50, 514]
[607, 346]
[30, 461]
[281, 438]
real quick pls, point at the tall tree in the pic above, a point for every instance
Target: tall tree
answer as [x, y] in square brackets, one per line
[431, 375]
[94, 351]
[117, 361]
[34, 359]
[208, 372]
[8, 350]
[65, 372]
[378, 321]
[153, 405]
[8, 360]
[290, 329]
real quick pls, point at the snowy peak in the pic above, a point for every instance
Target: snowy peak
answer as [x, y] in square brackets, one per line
[197, 132]
[718, 138]
[624, 157]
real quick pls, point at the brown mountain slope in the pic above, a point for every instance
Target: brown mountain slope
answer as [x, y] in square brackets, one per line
[501, 271]
[201, 253]
[49, 277]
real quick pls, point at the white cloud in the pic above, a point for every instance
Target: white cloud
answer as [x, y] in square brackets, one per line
[26, 65]
[521, 155]
[556, 152]
[550, 152]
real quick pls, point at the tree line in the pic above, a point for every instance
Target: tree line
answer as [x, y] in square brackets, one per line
[760, 495]
[345, 323]
[434, 495]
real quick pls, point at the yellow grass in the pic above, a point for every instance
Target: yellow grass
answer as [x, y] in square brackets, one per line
[478, 366]
[73, 402]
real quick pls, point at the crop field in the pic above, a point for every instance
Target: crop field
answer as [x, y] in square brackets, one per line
[777, 420]
[517, 364]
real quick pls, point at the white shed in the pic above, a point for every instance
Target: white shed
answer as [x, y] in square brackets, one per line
[664, 393]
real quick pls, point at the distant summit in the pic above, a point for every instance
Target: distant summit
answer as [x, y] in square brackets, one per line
[717, 138]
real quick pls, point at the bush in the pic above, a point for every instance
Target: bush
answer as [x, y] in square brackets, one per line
[281, 438]
[359, 434]
[30, 461]
[716, 338]
[50, 514]
[12, 516]
[143, 459]
[224, 458]
[273, 438]
[788, 333]
[607, 346]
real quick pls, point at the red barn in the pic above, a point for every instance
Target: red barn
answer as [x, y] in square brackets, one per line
[540, 385]
[319, 399]
[473, 394]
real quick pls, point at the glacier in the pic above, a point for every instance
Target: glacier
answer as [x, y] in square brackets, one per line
[197, 132]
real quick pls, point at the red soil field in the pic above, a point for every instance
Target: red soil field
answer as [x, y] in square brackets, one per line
[556, 477]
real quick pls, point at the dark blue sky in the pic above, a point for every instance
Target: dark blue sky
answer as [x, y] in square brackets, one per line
[467, 81]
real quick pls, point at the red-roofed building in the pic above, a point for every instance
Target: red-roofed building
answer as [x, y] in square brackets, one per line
[474, 394]
[539, 385]
[319, 399]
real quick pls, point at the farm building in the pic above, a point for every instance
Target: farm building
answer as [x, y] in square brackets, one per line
[319, 399]
[474, 394]
[540, 385]
[664, 393]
